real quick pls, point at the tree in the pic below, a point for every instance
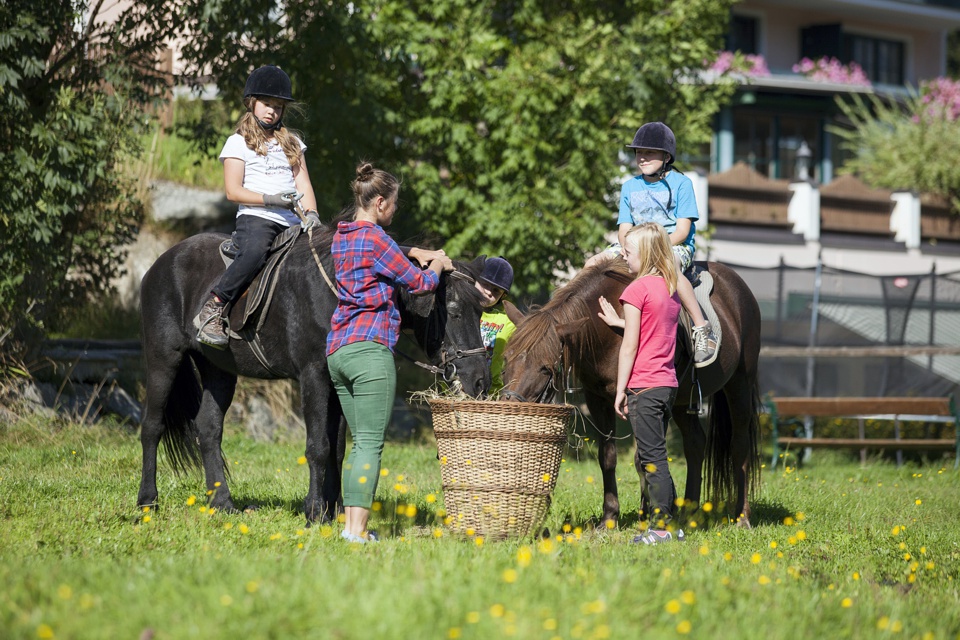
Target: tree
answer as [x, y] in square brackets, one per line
[906, 145]
[72, 92]
[504, 117]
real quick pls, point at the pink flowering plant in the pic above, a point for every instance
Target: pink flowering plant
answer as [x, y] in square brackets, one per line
[828, 69]
[939, 98]
[728, 62]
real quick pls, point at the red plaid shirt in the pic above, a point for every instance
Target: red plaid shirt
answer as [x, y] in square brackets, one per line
[369, 266]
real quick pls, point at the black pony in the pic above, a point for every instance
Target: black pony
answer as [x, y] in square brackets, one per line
[190, 386]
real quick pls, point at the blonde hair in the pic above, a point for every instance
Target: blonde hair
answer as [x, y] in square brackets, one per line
[652, 245]
[256, 139]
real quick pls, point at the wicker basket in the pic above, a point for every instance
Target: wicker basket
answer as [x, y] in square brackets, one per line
[499, 463]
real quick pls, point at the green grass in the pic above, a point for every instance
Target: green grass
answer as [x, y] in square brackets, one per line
[837, 551]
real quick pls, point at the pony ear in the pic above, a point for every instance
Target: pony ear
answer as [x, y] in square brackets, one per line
[570, 329]
[420, 305]
[513, 313]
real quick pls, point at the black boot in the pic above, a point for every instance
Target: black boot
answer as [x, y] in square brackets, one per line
[209, 324]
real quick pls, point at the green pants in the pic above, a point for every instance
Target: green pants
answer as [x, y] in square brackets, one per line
[365, 377]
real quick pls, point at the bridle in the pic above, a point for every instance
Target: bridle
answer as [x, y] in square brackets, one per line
[449, 355]
[557, 370]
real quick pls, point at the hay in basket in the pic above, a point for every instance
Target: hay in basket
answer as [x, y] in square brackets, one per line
[499, 463]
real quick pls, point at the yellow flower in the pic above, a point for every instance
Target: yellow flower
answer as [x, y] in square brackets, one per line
[302, 460]
[789, 521]
[801, 535]
[478, 541]
[473, 617]
[192, 500]
[589, 479]
[252, 587]
[918, 502]
[524, 556]
[846, 603]
[244, 529]
[773, 544]
[276, 536]
[362, 480]
[895, 531]
[704, 550]
[763, 580]
[226, 600]
[65, 592]
[431, 498]
[550, 624]
[684, 627]
[610, 524]
[497, 610]
[384, 473]
[146, 518]
[650, 468]
[755, 558]
[216, 484]
[672, 607]
[510, 576]
[546, 477]
[453, 632]
[44, 631]
[687, 597]
[883, 623]
[707, 507]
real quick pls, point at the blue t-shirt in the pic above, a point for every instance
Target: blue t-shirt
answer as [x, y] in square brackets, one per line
[642, 201]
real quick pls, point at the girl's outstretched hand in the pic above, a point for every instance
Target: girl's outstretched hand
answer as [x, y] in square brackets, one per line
[609, 315]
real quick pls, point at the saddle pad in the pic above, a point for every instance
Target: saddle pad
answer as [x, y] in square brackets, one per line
[702, 292]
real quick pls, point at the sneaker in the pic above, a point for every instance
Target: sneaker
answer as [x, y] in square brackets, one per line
[209, 323]
[352, 537]
[656, 536]
[704, 346]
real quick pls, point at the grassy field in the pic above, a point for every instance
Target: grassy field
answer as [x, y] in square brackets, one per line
[837, 551]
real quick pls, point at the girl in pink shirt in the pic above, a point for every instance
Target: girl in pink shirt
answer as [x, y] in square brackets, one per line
[646, 378]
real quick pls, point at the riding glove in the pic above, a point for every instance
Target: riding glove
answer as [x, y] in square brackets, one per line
[286, 200]
[310, 221]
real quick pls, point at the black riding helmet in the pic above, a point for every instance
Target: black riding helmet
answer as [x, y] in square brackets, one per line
[656, 135]
[270, 82]
[497, 272]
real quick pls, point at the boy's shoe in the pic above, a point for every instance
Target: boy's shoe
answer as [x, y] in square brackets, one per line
[704, 346]
[209, 324]
[656, 536]
[352, 537]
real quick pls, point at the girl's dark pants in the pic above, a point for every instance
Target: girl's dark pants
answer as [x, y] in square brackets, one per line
[649, 412]
[254, 237]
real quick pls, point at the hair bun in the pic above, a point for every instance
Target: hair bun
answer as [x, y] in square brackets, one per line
[365, 171]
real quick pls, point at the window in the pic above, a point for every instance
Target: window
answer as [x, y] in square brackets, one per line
[882, 60]
[742, 35]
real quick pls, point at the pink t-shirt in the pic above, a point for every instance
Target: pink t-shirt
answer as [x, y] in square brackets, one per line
[659, 312]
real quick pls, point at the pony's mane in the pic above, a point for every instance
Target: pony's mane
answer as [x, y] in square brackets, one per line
[537, 335]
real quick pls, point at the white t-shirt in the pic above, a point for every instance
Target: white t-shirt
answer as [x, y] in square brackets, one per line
[265, 175]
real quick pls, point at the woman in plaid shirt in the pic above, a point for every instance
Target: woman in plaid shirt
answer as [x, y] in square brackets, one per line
[365, 327]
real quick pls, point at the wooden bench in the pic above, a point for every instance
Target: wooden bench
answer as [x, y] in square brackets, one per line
[896, 409]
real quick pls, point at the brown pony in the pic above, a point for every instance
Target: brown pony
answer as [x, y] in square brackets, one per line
[567, 333]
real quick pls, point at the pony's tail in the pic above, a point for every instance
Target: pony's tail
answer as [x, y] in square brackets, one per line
[723, 458]
[180, 434]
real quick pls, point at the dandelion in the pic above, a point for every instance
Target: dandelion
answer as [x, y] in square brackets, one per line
[510, 576]
[895, 531]
[524, 556]
[704, 550]
[497, 610]
[65, 592]
[550, 624]
[192, 500]
[773, 544]
[411, 511]
[478, 541]
[589, 479]
[362, 479]
[44, 631]
[146, 519]
[610, 524]
[473, 617]
[453, 632]
[302, 460]
[438, 532]
[846, 603]
[276, 536]
[755, 558]
[431, 498]
[918, 502]
[244, 529]
[546, 477]
[226, 600]
[707, 507]
[684, 627]
[789, 521]
[728, 556]
[252, 586]
[883, 623]
[688, 597]
[672, 607]
[801, 535]
[764, 580]
[545, 546]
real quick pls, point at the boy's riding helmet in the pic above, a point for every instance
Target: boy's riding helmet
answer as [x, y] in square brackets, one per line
[498, 272]
[269, 82]
[656, 135]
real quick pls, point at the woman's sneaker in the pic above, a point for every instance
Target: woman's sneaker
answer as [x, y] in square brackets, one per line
[352, 537]
[704, 346]
[656, 536]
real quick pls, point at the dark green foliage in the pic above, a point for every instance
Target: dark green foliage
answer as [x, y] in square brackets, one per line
[72, 94]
